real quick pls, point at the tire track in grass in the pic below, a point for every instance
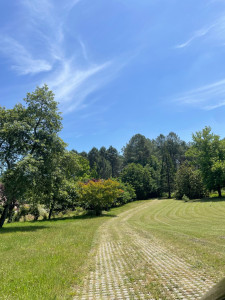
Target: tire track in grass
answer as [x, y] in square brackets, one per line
[177, 278]
[130, 266]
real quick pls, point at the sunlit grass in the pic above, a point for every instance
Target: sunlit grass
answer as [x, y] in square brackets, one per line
[47, 259]
[194, 230]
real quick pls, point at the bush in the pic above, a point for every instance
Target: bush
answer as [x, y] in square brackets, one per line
[128, 194]
[45, 217]
[189, 182]
[34, 211]
[42, 212]
[22, 213]
[99, 195]
[185, 198]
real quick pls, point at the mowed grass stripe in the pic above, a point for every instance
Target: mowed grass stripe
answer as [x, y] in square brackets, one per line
[195, 230]
[46, 260]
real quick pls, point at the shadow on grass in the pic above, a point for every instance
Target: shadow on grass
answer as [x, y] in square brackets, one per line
[34, 228]
[203, 200]
[80, 217]
[213, 199]
[21, 229]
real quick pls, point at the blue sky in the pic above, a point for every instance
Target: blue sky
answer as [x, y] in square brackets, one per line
[118, 67]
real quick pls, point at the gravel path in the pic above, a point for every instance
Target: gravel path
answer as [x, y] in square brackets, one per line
[130, 266]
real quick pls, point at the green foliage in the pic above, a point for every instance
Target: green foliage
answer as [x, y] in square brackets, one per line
[170, 152]
[128, 194]
[115, 160]
[22, 212]
[208, 153]
[36, 168]
[63, 171]
[74, 166]
[138, 150]
[34, 211]
[99, 195]
[104, 163]
[140, 178]
[13, 136]
[185, 198]
[34, 162]
[28, 141]
[104, 168]
[189, 182]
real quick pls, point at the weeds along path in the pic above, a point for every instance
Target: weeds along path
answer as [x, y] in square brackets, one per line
[130, 266]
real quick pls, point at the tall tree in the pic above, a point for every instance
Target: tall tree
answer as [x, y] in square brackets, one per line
[140, 178]
[104, 168]
[99, 163]
[208, 153]
[115, 160]
[138, 150]
[171, 152]
[189, 182]
[28, 134]
[94, 158]
[63, 171]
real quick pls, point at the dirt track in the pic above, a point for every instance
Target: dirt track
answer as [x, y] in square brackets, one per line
[129, 265]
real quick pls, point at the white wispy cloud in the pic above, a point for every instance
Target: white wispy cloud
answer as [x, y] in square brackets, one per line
[84, 49]
[197, 34]
[40, 8]
[206, 97]
[69, 4]
[72, 85]
[213, 33]
[72, 77]
[22, 60]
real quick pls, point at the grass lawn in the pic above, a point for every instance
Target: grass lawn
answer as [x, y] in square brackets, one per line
[194, 231]
[46, 259]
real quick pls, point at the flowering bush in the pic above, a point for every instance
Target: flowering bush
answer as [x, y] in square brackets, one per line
[99, 195]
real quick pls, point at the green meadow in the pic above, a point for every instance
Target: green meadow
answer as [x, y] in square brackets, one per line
[48, 259]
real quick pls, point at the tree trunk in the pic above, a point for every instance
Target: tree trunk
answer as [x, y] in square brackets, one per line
[168, 184]
[219, 192]
[4, 215]
[51, 209]
[10, 212]
[168, 178]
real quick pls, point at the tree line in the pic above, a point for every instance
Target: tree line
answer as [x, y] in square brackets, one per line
[36, 167]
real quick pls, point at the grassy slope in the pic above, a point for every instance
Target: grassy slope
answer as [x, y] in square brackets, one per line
[193, 230]
[44, 260]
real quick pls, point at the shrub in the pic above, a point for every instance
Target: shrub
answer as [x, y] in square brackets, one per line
[128, 194]
[22, 212]
[189, 182]
[185, 198]
[99, 195]
[34, 211]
